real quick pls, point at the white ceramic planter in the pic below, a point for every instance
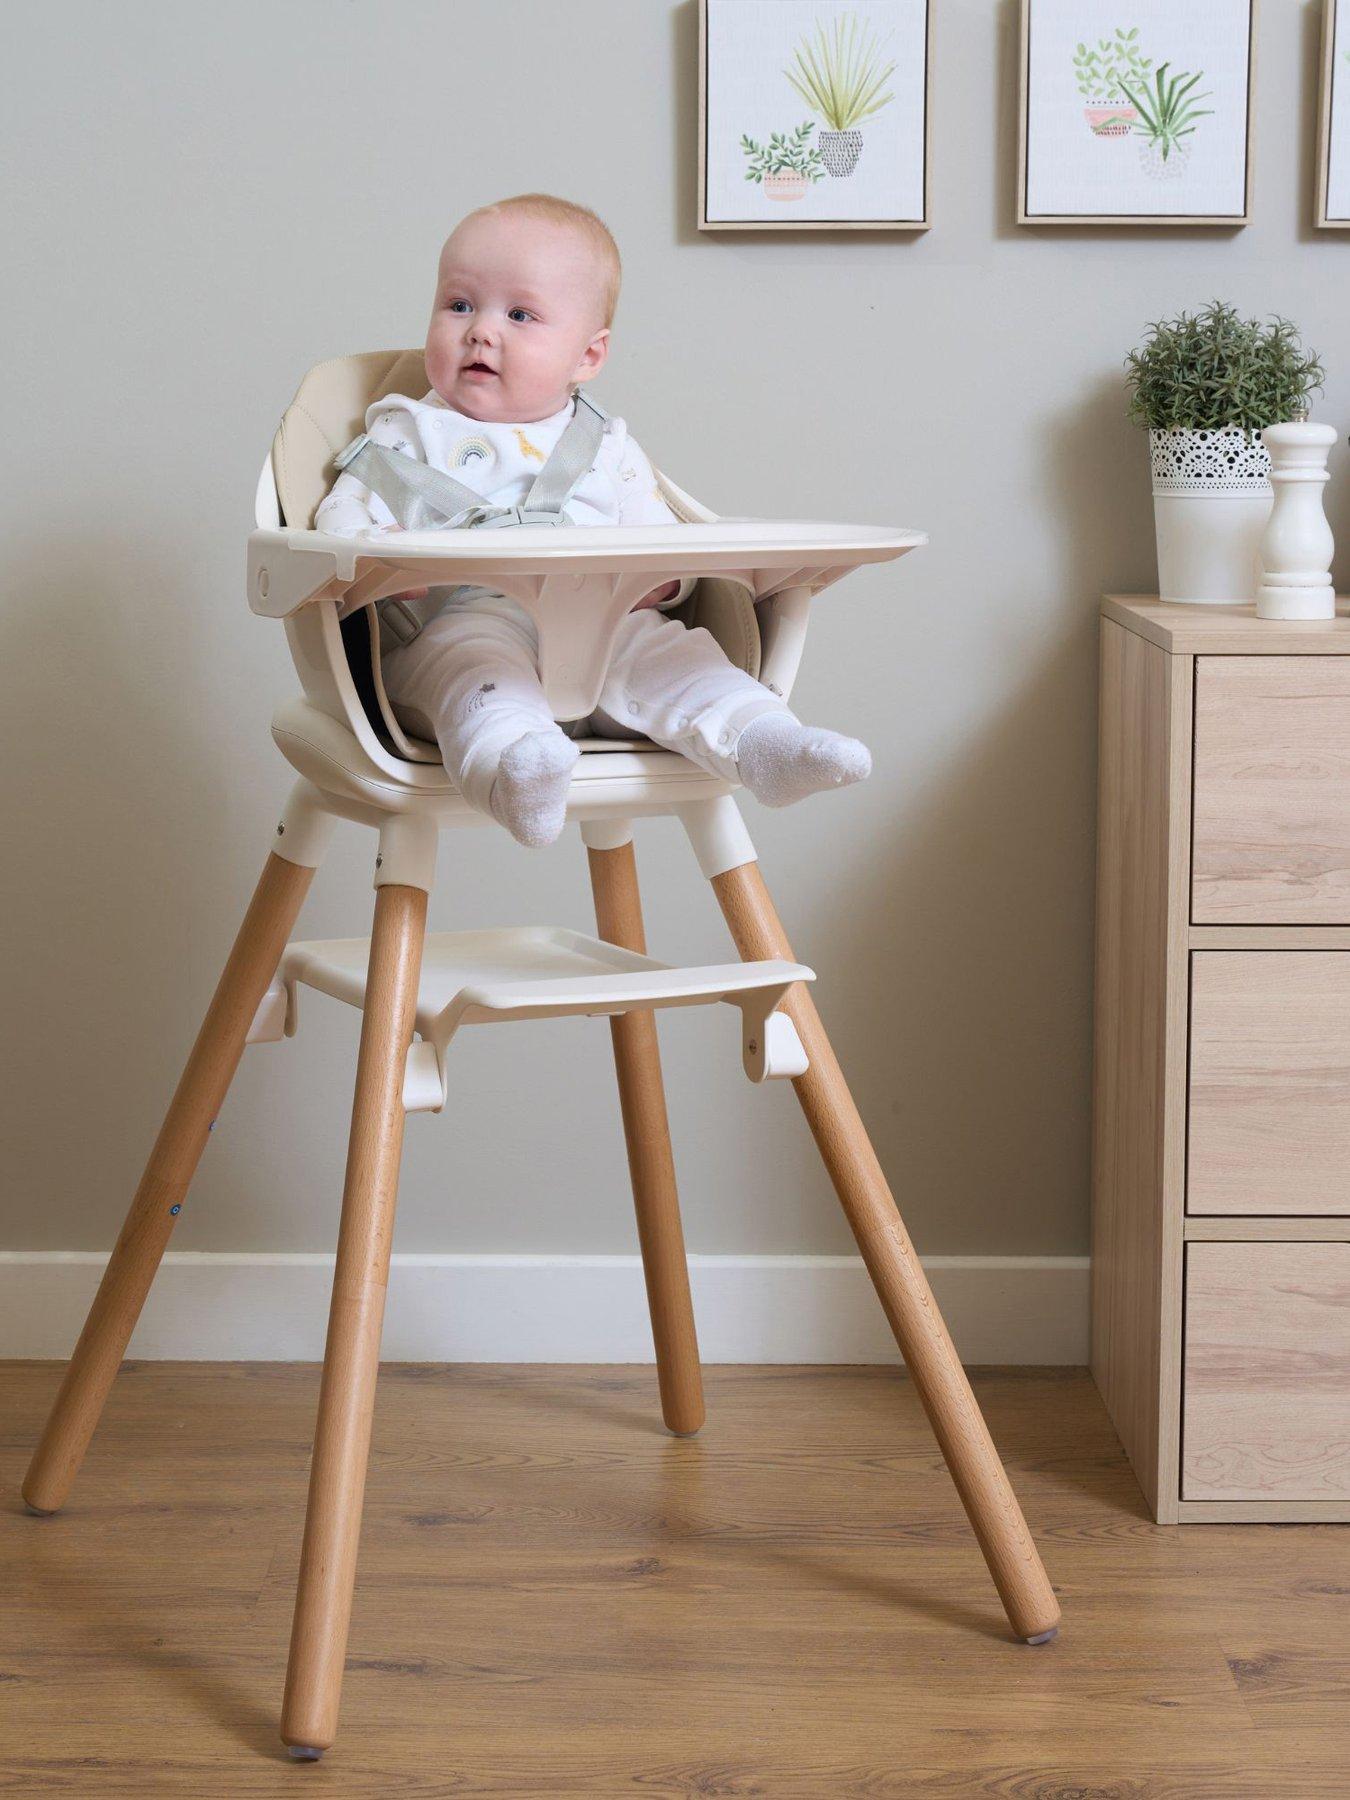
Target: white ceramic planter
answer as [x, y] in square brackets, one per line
[1211, 502]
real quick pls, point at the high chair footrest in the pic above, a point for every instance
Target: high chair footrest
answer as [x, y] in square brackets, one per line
[536, 972]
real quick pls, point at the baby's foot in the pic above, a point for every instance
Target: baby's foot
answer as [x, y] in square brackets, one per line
[781, 760]
[529, 791]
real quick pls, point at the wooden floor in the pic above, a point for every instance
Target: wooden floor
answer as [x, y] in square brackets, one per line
[557, 1598]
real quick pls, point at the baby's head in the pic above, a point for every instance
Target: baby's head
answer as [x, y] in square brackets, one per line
[525, 295]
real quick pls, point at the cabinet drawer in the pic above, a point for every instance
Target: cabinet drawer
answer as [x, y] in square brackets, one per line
[1269, 1086]
[1267, 1372]
[1272, 791]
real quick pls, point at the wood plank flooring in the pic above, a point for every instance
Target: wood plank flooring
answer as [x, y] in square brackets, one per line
[556, 1598]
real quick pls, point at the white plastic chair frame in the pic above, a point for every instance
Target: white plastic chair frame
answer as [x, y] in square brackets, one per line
[350, 766]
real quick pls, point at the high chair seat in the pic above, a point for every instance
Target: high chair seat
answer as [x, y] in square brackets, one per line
[414, 990]
[755, 577]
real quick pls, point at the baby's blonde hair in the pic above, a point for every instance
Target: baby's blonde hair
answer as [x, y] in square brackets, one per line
[580, 219]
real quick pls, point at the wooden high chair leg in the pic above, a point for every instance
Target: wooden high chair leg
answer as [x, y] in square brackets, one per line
[651, 1163]
[899, 1279]
[173, 1161]
[323, 1600]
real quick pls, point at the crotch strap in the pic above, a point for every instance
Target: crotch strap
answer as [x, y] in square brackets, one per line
[423, 499]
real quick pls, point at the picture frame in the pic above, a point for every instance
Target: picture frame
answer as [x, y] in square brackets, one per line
[1080, 163]
[816, 168]
[1332, 212]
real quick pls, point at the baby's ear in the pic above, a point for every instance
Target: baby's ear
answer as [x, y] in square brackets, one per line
[594, 355]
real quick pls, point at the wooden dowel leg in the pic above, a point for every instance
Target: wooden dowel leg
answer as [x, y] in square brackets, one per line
[173, 1161]
[651, 1163]
[337, 1477]
[899, 1279]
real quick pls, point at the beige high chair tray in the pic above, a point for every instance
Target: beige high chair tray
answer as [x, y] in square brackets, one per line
[414, 990]
[578, 583]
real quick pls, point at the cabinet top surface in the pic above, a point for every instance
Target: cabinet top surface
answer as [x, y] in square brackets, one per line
[1228, 630]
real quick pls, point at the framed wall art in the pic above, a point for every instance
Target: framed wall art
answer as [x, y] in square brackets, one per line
[813, 115]
[1135, 112]
[1333, 119]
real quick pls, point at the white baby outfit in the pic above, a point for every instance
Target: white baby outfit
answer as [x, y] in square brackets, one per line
[470, 679]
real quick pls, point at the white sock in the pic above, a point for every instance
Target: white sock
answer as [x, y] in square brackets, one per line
[529, 792]
[781, 760]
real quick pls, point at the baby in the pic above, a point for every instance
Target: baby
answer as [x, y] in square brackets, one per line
[525, 296]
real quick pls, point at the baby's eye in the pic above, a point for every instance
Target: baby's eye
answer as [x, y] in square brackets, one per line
[459, 306]
[524, 314]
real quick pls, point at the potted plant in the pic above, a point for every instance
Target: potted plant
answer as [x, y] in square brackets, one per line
[1099, 70]
[785, 166]
[1167, 115]
[1206, 385]
[841, 78]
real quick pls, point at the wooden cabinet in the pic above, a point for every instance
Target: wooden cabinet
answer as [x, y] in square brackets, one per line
[1221, 1125]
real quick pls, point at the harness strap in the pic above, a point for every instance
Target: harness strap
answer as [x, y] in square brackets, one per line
[422, 498]
[572, 457]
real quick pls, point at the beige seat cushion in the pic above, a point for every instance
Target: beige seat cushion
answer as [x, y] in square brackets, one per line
[328, 411]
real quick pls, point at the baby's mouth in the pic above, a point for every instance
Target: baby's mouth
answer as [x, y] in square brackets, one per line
[478, 368]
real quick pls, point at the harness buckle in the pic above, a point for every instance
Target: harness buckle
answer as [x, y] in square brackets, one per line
[352, 451]
[498, 518]
[398, 618]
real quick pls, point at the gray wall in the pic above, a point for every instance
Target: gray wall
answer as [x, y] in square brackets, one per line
[209, 199]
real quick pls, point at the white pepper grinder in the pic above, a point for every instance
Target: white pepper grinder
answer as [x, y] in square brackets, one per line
[1296, 546]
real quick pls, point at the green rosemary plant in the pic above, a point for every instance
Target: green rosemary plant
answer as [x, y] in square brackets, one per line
[1204, 371]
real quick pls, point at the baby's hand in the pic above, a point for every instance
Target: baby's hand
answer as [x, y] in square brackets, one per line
[657, 595]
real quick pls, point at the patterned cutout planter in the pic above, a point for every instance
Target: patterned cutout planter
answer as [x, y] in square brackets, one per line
[1211, 501]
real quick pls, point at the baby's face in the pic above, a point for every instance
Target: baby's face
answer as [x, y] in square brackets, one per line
[518, 318]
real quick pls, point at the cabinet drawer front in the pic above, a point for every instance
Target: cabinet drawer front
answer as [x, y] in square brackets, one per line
[1272, 791]
[1267, 1372]
[1269, 1088]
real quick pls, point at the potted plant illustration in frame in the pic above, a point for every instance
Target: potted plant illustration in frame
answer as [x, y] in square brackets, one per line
[1174, 83]
[1333, 120]
[785, 166]
[840, 75]
[855, 74]
[1098, 71]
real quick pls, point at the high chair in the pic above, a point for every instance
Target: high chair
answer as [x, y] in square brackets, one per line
[354, 762]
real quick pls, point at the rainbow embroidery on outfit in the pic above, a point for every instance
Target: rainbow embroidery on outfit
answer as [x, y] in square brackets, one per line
[470, 450]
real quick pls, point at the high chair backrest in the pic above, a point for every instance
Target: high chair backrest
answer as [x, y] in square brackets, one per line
[328, 411]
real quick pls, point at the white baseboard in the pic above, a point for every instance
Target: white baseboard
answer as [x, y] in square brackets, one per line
[215, 1306]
